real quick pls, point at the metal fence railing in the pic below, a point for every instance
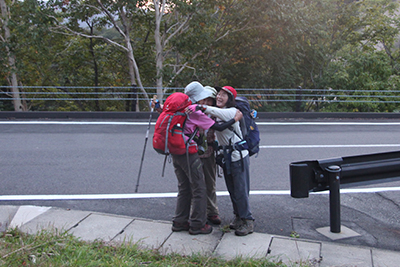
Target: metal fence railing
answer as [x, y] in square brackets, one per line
[51, 97]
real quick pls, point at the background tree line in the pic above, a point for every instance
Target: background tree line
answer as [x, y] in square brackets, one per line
[340, 45]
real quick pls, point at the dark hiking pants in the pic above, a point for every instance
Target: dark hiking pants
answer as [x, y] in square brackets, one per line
[191, 205]
[238, 184]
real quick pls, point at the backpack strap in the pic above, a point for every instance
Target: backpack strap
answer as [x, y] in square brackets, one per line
[166, 150]
[177, 127]
[227, 153]
[234, 146]
[241, 160]
[233, 130]
[187, 150]
[243, 127]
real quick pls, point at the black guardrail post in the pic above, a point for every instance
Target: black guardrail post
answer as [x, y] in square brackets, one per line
[334, 172]
[300, 173]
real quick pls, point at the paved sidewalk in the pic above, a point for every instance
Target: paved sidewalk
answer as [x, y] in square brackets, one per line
[90, 226]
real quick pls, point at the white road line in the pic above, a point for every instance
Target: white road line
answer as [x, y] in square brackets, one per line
[330, 146]
[328, 123]
[172, 195]
[76, 122]
[153, 123]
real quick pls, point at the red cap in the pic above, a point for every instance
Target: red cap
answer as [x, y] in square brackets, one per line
[230, 90]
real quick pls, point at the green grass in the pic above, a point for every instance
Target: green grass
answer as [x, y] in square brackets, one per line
[61, 249]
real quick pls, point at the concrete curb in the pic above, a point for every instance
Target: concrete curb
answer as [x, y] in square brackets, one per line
[157, 235]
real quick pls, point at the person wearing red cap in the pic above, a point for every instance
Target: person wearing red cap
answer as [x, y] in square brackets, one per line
[230, 90]
[236, 163]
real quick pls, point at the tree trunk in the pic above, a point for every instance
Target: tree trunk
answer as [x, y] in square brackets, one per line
[134, 72]
[132, 66]
[95, 68]
[14, 87]
[5, 14]
[159, 50]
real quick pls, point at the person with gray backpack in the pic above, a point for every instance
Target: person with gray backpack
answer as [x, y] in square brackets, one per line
[209, 165]
[235, 160]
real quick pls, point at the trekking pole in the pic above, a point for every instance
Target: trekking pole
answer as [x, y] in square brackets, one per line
[144, 148]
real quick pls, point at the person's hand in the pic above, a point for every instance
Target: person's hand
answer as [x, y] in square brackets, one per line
[189, 110]
[238, 115]
[215, 145]
[153, 103]
[202, 108]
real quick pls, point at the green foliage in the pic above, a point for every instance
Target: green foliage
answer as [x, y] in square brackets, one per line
[343, 45]
[365, 74]
[51, 248]
[367, 65]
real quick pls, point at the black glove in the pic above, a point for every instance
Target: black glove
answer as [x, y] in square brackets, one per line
[201, 108]
[199, 139]
[215, 145]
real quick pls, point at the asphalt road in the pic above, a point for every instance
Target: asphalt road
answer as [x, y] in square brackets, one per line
[94, 166]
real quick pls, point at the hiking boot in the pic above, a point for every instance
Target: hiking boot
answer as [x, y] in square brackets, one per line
[178, 227]
[215, 219]
[236, 223]
[207, 229]
[246, 228]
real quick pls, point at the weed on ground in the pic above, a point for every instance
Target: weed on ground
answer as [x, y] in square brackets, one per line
[50, 248]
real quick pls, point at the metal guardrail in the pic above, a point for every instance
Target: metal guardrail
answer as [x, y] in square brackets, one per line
[329, 174]
[260, 95]
[144, 116]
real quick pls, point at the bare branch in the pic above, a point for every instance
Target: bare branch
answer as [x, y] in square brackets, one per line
[166, 52]
[224, 35]
[162, 8]
[66, 48]
[111, 18]
[125, 23]
[388, 52]
[94, 7]
[89, 36]
[178, 29]
[185, 65]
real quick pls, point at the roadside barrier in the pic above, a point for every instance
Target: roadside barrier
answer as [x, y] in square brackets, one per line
[263, 99]
[329, 174]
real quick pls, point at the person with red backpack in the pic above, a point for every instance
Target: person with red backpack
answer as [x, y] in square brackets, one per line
[191, 206]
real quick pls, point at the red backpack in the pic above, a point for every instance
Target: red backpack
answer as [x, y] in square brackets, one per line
[168, 135]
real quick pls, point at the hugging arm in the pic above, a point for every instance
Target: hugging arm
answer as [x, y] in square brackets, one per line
[222, 126]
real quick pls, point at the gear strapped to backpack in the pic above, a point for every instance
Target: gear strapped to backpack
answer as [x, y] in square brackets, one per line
[168, 135]
[250, 140]
[249, 128]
